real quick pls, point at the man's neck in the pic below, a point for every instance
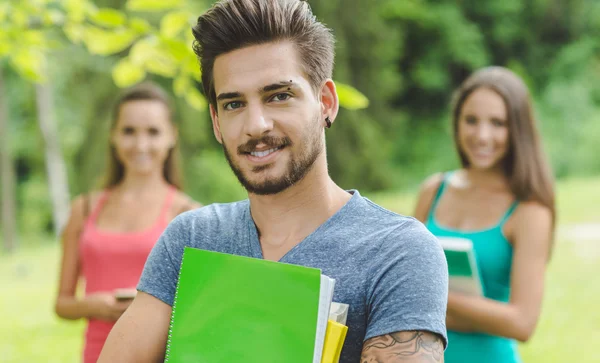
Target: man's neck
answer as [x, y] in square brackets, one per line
[285, 219]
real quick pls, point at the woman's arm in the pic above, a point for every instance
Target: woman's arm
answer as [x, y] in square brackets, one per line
[456, 324]
[102, 305]
[516, 319]
[67, 306]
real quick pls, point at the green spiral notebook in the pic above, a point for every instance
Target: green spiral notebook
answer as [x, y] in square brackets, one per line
[230, 309]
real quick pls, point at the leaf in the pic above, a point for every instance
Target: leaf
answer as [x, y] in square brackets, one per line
[74, 32]
[181, 85]
[5, 45]
[189, 38]
[195, 99]
[126, 74]
[30, 63]
[152, 5]
[104, 42]
[110, 18]
[19, 18]
[143, 50]
[191, 65]
[150, 54]
[407, 10]
[33, 38]
[350, 97]
[89, 7]
[172, 23]
[75, 10]
[139, 25]
[53, 17]
[176, 48]
[163, 65]
[193, 68]
[3, 11]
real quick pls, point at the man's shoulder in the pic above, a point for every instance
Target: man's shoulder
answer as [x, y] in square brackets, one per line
[387, 233]
[208, 224]
[379, 219]
[215, 214]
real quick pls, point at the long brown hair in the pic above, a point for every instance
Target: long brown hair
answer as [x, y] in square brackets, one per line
[116, 170]
[235, 24]
[525, 163]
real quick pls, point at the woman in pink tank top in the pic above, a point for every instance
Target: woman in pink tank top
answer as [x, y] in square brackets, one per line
[110, 233]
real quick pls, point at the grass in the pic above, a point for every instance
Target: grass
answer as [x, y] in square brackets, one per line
[30, 332]
[567, 331]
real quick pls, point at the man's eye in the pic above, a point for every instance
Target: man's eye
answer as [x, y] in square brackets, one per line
[232, 105]
[128, 131]
[281, 97]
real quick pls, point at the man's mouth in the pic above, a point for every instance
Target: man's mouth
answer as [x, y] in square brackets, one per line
[264, 153]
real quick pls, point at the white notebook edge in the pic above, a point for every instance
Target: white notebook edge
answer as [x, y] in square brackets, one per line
[455, 243]
[325, 298]
[339, 312]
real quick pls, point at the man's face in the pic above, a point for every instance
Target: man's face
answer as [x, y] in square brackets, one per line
[268, 118]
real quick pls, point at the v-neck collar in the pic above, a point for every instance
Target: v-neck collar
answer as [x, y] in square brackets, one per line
[254, 242]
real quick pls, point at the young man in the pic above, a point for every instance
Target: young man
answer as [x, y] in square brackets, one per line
[266, 70]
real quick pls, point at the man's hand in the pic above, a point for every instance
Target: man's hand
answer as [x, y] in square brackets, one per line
[404, 347]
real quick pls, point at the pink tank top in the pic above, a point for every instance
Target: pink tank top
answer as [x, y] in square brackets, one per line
[110, 261]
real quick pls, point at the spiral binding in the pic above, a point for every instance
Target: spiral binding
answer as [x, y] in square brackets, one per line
[168, 350]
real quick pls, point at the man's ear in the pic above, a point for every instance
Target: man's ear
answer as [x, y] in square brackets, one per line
[329, 101]
[215, 122]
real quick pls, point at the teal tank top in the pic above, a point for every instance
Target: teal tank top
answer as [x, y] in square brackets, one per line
[494, 259]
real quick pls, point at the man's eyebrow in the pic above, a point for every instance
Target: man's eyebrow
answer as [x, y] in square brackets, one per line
[228, 96]
[268, 88]
[277, 86]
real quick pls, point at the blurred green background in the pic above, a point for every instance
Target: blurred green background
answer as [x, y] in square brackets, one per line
[398, 61]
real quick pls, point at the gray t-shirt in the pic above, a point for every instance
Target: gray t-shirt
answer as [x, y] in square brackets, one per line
[388, 268]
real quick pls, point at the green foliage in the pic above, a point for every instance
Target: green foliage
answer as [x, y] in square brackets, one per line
[402, 58]
[152, 5]
[203, 172]
[552, 45]
[348, 95]
[163, 49]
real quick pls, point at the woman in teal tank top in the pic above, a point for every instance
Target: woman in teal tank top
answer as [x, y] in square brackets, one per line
[502, 199]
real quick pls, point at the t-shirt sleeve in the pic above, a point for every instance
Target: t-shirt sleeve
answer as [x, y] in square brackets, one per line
[161, 271]
[409, 286]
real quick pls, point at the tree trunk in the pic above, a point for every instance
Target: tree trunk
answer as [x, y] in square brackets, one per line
[55, 163]
[9, 193]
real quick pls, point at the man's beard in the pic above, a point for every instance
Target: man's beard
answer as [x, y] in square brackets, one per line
[297, 167]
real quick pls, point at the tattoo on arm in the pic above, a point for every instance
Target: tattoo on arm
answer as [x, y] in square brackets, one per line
[404, 346]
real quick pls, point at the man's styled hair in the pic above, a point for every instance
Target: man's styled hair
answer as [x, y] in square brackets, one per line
[233, 24]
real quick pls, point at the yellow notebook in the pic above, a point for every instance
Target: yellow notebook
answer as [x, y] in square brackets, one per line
[334, 341]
